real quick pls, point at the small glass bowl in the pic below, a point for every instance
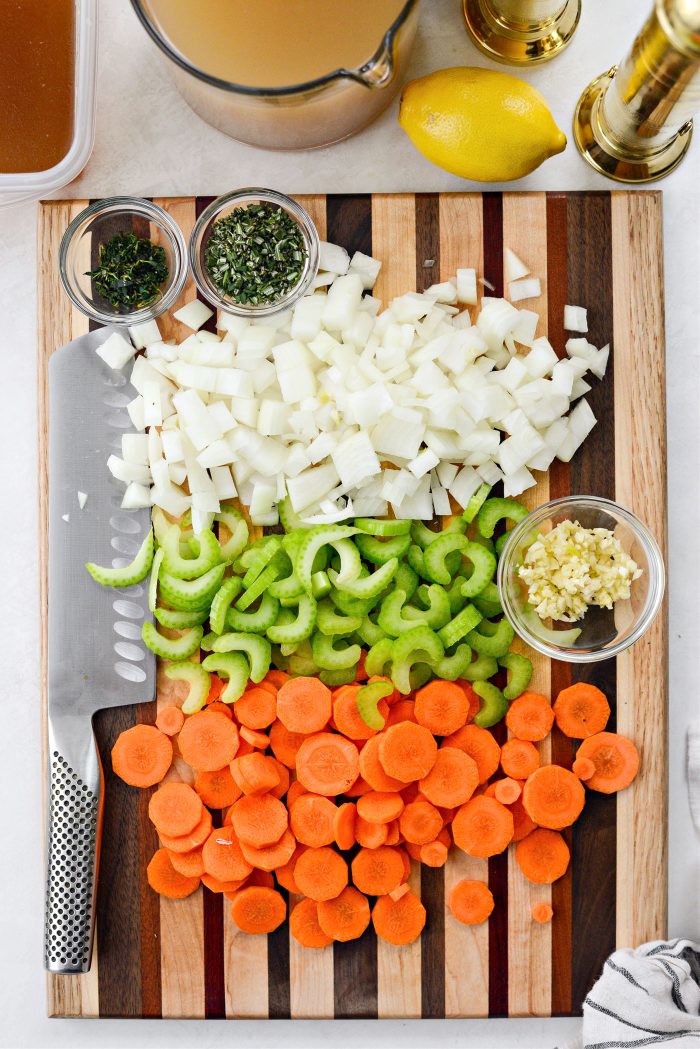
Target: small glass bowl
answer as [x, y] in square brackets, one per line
[223, 206]
[97, 224]
[604, 633]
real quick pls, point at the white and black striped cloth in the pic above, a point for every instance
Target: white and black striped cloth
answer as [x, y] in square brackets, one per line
[646, 997]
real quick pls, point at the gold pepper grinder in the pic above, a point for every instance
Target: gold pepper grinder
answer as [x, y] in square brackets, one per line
[633, 123]
[521, 32]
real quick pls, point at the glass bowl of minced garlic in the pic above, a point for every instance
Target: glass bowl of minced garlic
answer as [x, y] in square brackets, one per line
[581, 579]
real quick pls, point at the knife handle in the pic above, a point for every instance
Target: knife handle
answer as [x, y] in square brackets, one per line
[74, 827]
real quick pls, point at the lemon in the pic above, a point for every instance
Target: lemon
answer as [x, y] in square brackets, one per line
[480, 124]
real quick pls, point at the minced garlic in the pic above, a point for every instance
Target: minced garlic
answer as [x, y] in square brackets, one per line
[572, 567]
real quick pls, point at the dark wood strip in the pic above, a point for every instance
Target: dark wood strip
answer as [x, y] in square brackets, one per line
[151, 1001]
[355, 968]
[498, 865]
[559, 486]
[427, 240]
[278, 979]
[590, 283]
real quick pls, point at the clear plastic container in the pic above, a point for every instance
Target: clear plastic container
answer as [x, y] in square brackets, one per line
[22, 186]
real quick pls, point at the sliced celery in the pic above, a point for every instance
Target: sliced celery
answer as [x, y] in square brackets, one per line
[379, 551]
[484, 568]
[481, 669]
[476, 502]
[227, 592]
[449, 668]
[172, 619]
[352, 606]
[382, 527]
[487, 643]
[330, 622]
[420, 645]
[172, 648]
[262, 553]
[316, 538]
[190, 594]
[256, 622]
[233, 668]
[406, 579]
[235, 523]
[495, 510]
[422, 535]
[494, 706]
[416, 561]
[367, 699]
[391, 615]
[257, 588]
[488, 601]
[288, 518]
[198, 679]
[301, 663]
[207, 642]
[153, 581]
[437, 612]
[434, 556]
[379, 657]
[369, 632]
[336, 678]
[209, 554]
[328, 657]
[456, 597]
[350, 563]
[256, 648]
[369, 586]
[320, 584]
[560, 638]
[519, 674]
[131, 573]
[301, 628]
[460, 626]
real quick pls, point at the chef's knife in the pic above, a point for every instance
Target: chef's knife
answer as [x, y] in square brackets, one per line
[96, 657]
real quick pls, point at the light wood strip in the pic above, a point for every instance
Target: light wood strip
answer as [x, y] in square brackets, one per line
[529, 944]
[315, 204]
[245, 965]
[640, 484]
[466, 947]
[399, 971]
[310, 979]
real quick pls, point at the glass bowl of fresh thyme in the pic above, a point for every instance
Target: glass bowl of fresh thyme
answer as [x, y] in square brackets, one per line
[123, 260]
[254, 252]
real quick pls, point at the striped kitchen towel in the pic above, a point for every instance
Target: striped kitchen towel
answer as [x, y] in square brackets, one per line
[646, 997]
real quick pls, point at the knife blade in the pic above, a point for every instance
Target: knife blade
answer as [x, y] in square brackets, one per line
[96, 657]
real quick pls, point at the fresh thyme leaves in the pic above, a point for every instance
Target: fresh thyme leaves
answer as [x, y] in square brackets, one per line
[256, 254]
[131, 271]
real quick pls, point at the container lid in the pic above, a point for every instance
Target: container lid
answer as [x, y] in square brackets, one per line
[19, 186]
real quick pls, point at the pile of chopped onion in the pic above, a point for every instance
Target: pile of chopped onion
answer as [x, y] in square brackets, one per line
[349, 410]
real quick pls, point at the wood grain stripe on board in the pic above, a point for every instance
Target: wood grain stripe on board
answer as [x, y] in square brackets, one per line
[466, 963]
[640, 475]
[355, 968]
[559, 486]
[590, 283]
[530, 956]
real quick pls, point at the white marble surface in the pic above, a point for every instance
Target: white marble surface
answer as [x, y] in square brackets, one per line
[148, 142]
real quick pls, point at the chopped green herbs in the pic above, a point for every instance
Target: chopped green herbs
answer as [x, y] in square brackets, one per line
[130, 273]
[256, 255]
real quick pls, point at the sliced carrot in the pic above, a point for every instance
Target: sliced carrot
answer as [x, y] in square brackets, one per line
[472, 698]
[507, 791]
[267, 686]
[399, 891]
[344, 825]
[370, 835]
[479, 744]
[406, 860]
[377, 871]
[258, 910]
[304, 926]
[553, 797]
[285, 873]
[285, 744]
[394, 696]
[170, 720]
[295, 790]
[244, 748]
[584, 768]
[616, 761]
[217, 707]
[471, 902]
[483, 827]
[542, 856]
[581, 710]
[264, 878]
[272, 856]
[226, 887]
[281, 788]
[304, 704]
[407, 750]
[380, 807]
[522, 824]
[208, 741]
[393, 833]
[259, 820]
[190, 864]
[434, 854]
[217, 789]
[190, 841]
[255, 773]
[411, 792]
[347, 717]
[142, 755]
[277, 678]
[452, 780]
[216, 687]
[257, 708]
[399, 921]
[360, 672]
[257, 740]
[346, 916]
[542, 913]
[358, 788]
[402, 710]
[530, 717]
[327, 764]
[166, 880]
[321, 874]
[519, 758]
[222, 856]
[420, 822]
[175, 809]
[311, 818]
[442, 707]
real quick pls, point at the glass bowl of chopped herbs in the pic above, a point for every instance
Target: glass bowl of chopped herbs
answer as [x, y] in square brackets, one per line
[254, 252]
[123, 260]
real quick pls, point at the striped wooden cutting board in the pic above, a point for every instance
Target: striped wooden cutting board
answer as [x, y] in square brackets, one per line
[156, 957]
